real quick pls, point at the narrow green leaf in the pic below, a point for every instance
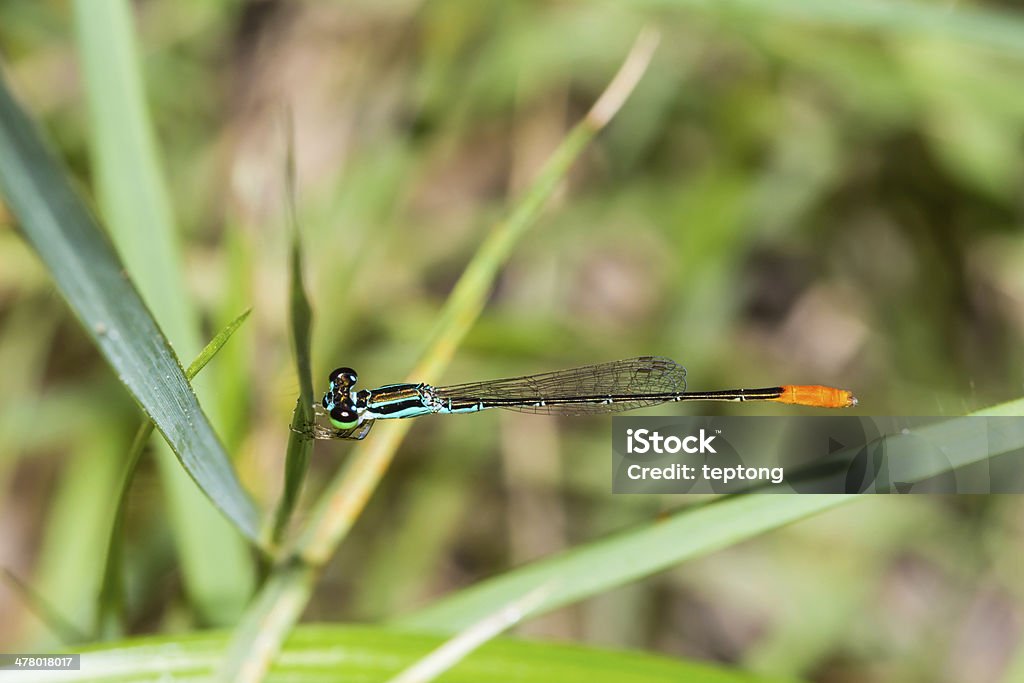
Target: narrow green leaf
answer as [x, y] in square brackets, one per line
[300, 446]
[314, 654]
[1008, 409]
[129, 183]
[215, 345]
[134, 201]
[276, 609]
[301, 314]
[605, 564]
[109, 622]
[459, 646]
[109, 607]
[55, 221]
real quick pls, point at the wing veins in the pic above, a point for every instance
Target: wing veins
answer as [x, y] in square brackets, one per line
[634, 376]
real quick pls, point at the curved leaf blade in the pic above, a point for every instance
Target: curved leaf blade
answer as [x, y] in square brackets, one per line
[300, 447]
[108, 604]
[90, 276]
[600, 566]
[349, 653]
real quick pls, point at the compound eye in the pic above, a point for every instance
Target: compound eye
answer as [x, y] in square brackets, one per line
[344, 377]
[344, 416]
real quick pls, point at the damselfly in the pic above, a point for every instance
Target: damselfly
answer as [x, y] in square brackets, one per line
[591, 389]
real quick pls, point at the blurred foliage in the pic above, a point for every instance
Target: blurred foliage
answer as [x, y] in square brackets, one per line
[783, 199]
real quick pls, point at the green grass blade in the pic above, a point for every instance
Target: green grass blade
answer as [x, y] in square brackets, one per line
[56, 223]
[1009, 409]
[215, 345]
[605, 564]
[129, 183]
[76, 523]
[300, 446]
[135, 203]
[109, 607]
[356, 653]
[456, 649]
[964, 441]
[278, 605]
[109, 621]
[301, 313]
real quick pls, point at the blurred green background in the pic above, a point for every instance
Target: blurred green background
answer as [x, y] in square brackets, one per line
[788, 197]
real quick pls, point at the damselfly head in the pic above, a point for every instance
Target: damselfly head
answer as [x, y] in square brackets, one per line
[339, 402]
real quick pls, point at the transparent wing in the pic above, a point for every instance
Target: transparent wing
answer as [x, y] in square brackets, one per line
[622, 378]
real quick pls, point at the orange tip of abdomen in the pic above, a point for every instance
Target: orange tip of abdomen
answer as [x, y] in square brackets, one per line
[816, 396]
